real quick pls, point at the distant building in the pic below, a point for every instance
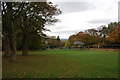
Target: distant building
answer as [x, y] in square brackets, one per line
[52, 42]
[53, 37]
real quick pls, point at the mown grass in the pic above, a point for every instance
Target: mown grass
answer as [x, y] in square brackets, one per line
[63, 64]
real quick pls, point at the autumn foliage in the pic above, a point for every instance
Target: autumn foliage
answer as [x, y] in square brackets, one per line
[104, 35]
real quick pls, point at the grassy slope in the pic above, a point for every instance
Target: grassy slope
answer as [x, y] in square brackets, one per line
[64, 63]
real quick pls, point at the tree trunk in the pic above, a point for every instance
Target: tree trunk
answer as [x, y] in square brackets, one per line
[12, 35]
[9, 31]
[25, 45]
[13, 47]
[6, 46]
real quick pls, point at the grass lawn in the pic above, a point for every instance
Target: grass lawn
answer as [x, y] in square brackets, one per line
[63, 64]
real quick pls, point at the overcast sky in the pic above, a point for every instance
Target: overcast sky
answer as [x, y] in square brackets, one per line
[80, 15]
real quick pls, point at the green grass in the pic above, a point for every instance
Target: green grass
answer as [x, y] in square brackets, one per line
[63, 64]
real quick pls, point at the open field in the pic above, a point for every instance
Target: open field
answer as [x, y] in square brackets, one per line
[63, 64]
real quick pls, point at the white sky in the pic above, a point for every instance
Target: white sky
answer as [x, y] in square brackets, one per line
[80, 15]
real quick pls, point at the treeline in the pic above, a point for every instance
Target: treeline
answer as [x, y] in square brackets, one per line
[23, 25]
[103, 36]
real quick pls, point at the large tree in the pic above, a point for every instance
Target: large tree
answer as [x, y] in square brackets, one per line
[114, 35]
[26, 18]
[87, 37]
[67, 44]
[34, 19]
[10, 11]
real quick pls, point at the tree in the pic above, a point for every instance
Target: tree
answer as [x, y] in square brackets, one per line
[92, 32]
[53, 43]
[67, 44]
[39, 15]
[111, 26]
[85, 37]
[103, 31]
[114, 36]
[9, 15]
[6, 46]
[72, 39]
[58, 38]
[104, 35]
[26, 18]
[93, 36]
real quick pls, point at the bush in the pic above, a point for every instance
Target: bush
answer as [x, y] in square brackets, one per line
[43, 46]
